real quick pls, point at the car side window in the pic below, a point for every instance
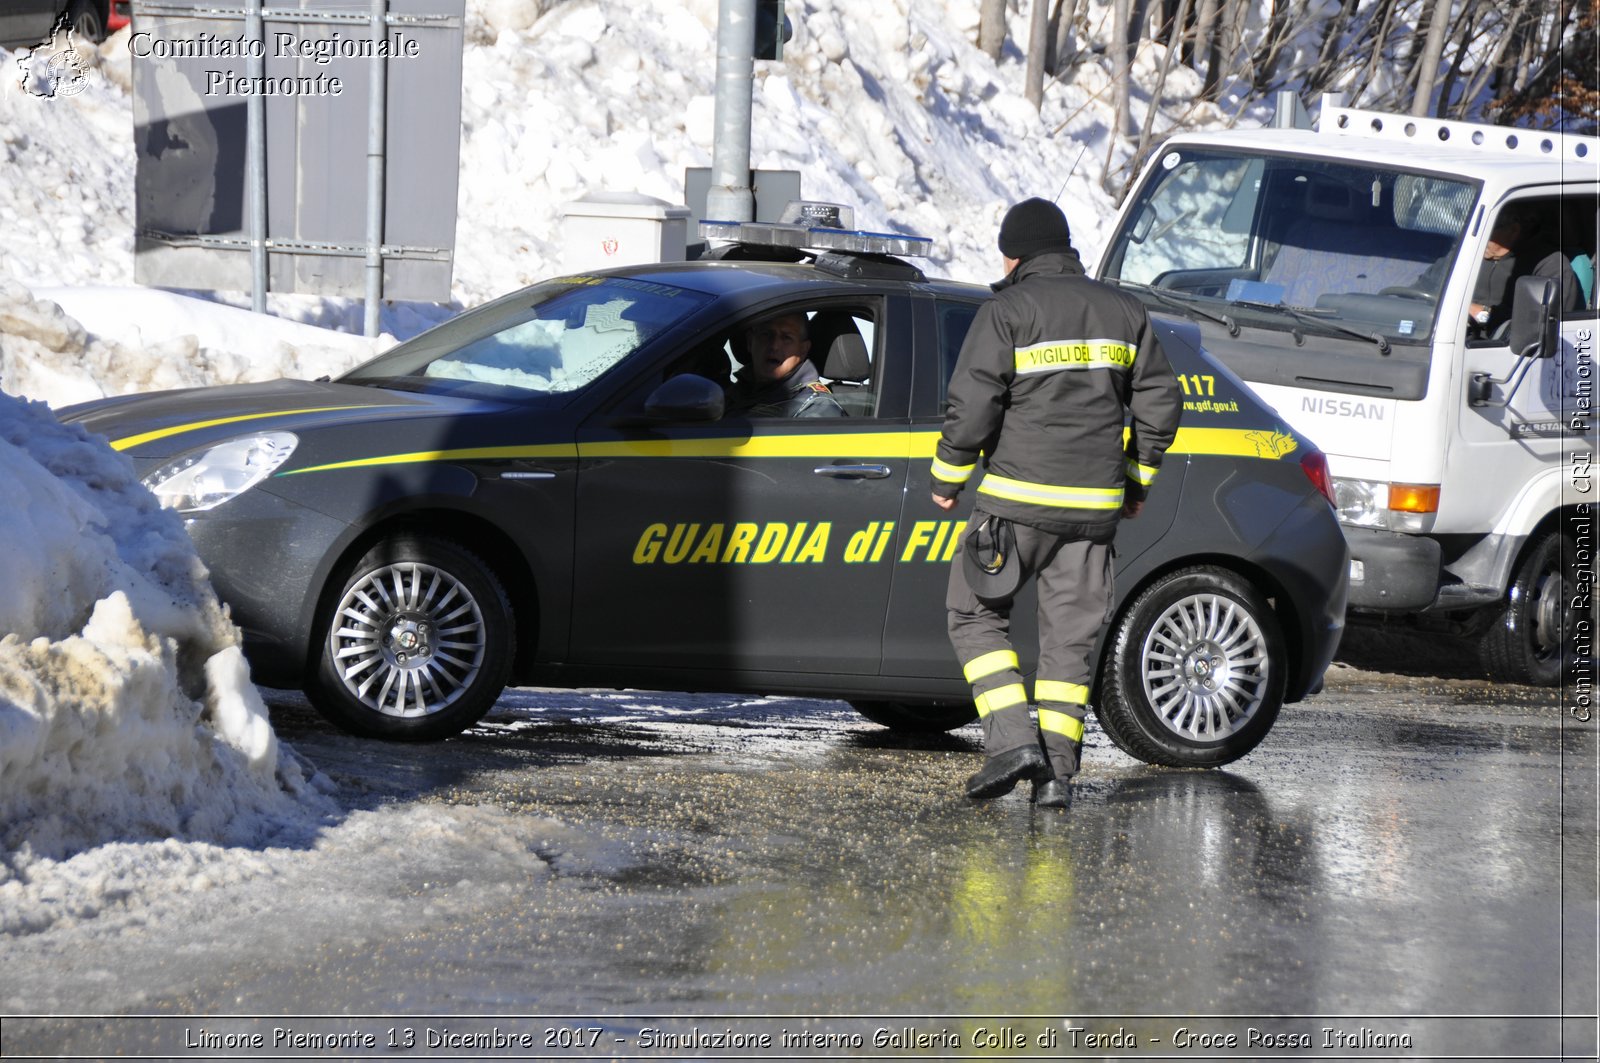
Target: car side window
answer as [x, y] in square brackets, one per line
[840, 344]
[955, 321]
[843, 345]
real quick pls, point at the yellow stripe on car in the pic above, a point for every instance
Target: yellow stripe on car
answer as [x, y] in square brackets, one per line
[196, 426]
[892, 445]
[552, 450]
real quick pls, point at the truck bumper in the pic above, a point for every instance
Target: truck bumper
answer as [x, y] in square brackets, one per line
[1391, 572]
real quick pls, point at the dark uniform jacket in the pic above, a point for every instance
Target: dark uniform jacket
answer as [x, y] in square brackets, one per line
[800, 394]
[1040, 390]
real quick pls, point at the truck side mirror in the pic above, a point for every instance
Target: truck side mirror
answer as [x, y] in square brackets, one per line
[1534, 331]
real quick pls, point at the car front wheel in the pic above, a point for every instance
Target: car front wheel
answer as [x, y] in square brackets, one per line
[416, 645]
[1195, 671]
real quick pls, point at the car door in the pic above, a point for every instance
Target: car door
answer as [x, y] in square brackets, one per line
[24, 23]
[751, 543]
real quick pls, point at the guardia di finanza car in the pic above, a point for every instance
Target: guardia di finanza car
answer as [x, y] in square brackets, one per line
[547, 489]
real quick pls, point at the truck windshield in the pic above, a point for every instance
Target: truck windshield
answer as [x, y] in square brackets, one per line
[1358, 249]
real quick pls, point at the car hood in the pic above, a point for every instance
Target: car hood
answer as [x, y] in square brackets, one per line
[165, 423]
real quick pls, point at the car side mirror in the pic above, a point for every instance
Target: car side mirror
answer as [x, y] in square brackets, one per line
[686, 397]
[1535, 331]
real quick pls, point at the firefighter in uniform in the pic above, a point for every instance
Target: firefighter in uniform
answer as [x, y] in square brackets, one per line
[780, 380]
[1045, 380]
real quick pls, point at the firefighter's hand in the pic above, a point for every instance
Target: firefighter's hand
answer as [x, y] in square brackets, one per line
[944, 503]
[1131, 509]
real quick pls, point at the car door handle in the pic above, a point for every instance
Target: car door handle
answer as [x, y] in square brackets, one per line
[854, 472]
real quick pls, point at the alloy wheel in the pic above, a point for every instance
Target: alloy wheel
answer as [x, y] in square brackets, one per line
[408, 639]
[1204, 667]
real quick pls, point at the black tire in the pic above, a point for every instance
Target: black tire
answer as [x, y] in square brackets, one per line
[917, 719]
[1529, 638]
[83, 18]
[1194, 672]
[391, 609]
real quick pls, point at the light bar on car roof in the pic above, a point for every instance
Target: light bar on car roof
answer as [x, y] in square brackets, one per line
[817, 227]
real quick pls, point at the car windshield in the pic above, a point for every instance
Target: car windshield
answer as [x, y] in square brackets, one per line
[1289, 242]
[552, 338]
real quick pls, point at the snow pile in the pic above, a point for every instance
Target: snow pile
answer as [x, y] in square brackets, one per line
[126, 709]
[889, 107]
[116, 341]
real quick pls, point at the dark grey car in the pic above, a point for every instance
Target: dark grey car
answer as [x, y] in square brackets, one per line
[546, 490]
[24, 23]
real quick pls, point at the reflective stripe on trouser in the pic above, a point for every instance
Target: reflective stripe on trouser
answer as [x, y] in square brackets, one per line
[1074, 585]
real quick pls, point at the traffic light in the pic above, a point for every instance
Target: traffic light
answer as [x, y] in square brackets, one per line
[772, 29]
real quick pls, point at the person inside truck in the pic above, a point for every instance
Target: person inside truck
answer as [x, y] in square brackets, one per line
[1517, 248]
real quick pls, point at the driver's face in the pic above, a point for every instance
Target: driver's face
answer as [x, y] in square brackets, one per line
[778, 346]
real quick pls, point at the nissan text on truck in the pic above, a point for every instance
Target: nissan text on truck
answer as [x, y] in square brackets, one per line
[1334, 270]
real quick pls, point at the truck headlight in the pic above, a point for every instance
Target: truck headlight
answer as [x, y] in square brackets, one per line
[206, 478]
[1394, 507]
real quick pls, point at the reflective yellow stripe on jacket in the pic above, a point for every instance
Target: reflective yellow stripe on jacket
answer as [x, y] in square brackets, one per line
[1140, 474]
[1056, 355]
[951, 474]
[1050, 495]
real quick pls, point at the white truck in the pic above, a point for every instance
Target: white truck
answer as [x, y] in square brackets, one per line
[1418, 297]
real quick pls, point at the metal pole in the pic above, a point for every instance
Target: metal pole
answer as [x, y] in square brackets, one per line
[730, 198]
[255, 162]
[377, 119]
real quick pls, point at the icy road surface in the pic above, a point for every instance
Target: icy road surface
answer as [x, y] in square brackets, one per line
[1399, 846]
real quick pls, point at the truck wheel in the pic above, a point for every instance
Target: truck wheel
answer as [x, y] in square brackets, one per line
[416, 645]
[918, 719]
[1195, 671]
[1527, 641]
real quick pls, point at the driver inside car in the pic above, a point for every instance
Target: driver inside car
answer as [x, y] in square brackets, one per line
[780, 380]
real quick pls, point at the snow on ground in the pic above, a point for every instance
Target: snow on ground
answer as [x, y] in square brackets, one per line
[135, 754]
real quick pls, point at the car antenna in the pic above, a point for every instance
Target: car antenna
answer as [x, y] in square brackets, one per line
[1070, 172]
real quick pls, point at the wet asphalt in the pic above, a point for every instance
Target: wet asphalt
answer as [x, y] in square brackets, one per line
[1405, 856]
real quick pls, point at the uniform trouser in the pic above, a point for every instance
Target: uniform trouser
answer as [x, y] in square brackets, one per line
[1074, 584]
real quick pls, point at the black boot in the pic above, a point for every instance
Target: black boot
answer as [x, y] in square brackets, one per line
[1051, 792]
[1001, 773]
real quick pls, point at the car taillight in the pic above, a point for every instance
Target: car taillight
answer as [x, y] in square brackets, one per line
[1315, 465]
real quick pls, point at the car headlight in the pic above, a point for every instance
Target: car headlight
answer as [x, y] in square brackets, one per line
[204, 479]
[1393, 507]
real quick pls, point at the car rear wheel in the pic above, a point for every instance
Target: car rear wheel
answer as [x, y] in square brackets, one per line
[1195, 671]
[416, 645]
[917, 719]
[1527, 641]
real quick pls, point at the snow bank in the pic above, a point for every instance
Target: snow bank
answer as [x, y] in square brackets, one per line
[126, 710]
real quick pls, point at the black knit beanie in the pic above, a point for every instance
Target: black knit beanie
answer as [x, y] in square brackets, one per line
[1034, 227]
